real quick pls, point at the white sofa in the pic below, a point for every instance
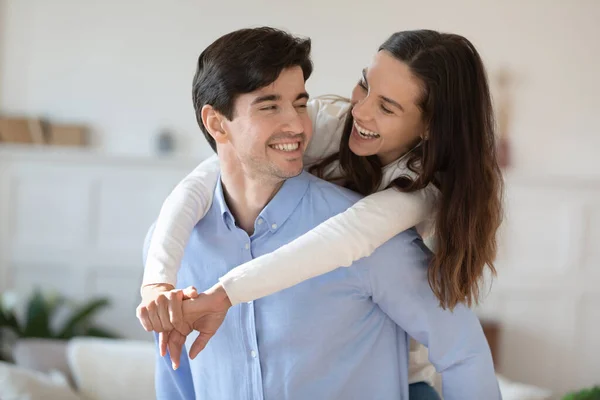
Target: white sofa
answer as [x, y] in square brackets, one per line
[100, 369]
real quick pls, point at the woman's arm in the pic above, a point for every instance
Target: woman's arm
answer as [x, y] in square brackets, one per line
[181, 211]
[339, 241]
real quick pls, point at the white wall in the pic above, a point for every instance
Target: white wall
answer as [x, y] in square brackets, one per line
[126, 66]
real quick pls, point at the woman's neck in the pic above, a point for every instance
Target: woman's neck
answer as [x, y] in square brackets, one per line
[394, 157]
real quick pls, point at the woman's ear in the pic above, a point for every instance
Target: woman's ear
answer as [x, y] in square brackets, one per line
[212, 121]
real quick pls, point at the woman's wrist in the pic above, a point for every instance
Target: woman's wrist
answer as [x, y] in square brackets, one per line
[220, 295]
[214, 300]
[151, 291]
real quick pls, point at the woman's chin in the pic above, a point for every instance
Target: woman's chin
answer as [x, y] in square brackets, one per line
[359, 149]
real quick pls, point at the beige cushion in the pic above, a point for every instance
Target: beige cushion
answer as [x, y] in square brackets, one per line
[112, 369]
[17, 383]
[43, 355]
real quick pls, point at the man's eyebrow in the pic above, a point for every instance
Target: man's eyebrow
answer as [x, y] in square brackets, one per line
[269, 97]
[276, 97]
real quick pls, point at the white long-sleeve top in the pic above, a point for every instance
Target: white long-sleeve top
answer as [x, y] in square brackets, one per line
[337, 242]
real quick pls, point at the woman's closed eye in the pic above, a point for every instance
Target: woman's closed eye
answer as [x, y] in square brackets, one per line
[385, 110]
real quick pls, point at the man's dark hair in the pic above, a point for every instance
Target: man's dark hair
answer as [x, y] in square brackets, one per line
[242, 62]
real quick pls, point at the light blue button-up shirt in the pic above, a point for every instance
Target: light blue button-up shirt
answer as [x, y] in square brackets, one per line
[342, 335]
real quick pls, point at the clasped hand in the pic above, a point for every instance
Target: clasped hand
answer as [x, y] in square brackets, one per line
[175, 313]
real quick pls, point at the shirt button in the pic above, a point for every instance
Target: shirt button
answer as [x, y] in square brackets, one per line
[247, 246]
[260, 221]
[253, 354]
[274, 226]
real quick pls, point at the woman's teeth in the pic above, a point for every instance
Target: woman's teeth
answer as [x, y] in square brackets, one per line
[365, 133]
[286, 147]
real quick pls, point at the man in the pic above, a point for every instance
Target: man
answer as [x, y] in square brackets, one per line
[342, 335]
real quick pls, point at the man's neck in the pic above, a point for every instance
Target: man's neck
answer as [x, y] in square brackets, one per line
[246, 195]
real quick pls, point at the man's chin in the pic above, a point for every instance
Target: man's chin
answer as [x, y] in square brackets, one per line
[289, 167]
[289, 171]
[287, 174]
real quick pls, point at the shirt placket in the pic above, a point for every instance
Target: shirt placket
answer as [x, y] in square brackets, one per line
[252, 353]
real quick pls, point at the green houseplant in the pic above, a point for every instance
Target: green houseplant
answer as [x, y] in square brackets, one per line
[585, 394]
[40, 314]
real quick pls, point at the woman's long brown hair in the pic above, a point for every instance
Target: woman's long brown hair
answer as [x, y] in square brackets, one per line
[458, 156]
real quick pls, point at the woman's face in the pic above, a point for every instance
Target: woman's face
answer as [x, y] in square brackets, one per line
[387, 119]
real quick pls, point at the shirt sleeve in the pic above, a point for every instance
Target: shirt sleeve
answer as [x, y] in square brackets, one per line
[328, 115]
[339, 241]
[457, 346]
[181, 211]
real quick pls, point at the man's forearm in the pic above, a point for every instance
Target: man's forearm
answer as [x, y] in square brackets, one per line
[471, 379]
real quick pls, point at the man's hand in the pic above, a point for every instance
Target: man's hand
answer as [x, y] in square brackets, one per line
[204, 314]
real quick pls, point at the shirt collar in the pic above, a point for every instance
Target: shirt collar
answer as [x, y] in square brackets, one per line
[219, 200]
[277, 211]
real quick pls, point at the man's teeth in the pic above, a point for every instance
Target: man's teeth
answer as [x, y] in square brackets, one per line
[287, 146]
[367, 134]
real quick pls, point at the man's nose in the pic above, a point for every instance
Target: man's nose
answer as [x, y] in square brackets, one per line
[293, 122]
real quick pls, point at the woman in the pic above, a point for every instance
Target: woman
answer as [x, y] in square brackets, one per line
[418, 142]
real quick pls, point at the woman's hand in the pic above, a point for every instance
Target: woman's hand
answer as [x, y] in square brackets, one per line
[161, 307]
[205, 314]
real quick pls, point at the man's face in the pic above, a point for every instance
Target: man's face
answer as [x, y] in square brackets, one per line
[271, 128]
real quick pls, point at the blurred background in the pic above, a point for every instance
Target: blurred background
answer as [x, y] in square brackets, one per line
[97, 126]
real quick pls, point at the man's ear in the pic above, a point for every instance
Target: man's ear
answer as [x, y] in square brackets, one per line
[212, 120]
